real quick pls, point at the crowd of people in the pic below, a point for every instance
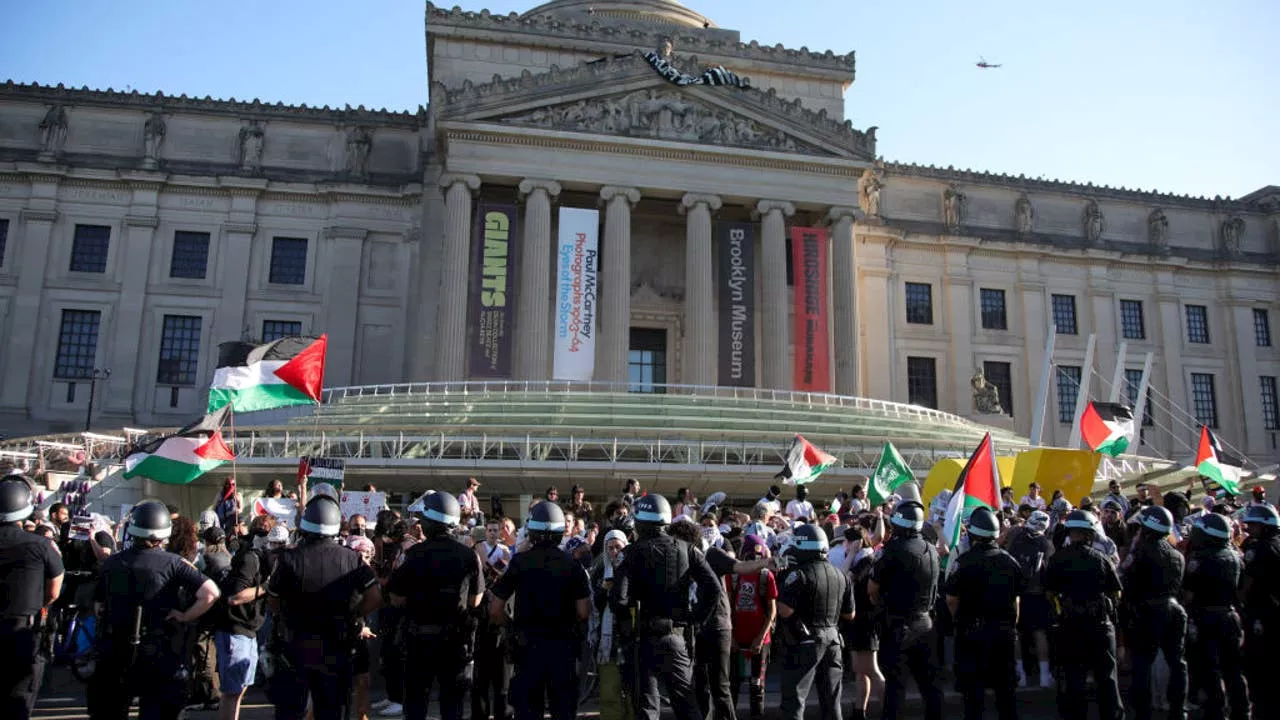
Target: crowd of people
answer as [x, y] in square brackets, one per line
[511, 615]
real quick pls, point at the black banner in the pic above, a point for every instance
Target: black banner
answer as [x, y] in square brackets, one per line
[737, 271]
[717, 75]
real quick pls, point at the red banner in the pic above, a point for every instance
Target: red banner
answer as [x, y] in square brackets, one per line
[809, 277]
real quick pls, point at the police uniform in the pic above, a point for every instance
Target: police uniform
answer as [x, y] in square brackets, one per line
[153, 582]
[27, 563]
[546, 632]
[318, 585]
[1261, 586]
[1083, 583]
[987, 582]
[1215, 637]
[907, 576]
[819, 595]
[1155, 620]
[654, 578]
[438, 578]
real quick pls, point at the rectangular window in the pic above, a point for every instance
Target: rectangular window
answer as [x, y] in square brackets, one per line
[919, 303]
[77, 344]
[190, 255]
[89, 248]
[1132, 384]
[288, 261]
[1261, 322]
[273, 330]
[922, 381]
[4, 237]
[1131, 322]
[179, 350]
[1064, 314]
[1000, 374]
[647, 361]
[1068, 388]
[1270, 403]
[994, 316]
[1198, 324]
[1204, 399]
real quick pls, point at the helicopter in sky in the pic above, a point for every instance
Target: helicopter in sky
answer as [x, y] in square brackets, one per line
[982, 63]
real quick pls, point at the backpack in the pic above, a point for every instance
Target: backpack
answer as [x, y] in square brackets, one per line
[1030, 552]
[760, 583]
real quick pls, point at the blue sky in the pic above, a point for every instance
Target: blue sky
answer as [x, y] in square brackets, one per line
[1177, 95]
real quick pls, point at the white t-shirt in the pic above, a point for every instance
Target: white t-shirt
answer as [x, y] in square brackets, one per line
[774, 506]
[1036, 502]
[839, 557]
[496, 554]
[797, 509]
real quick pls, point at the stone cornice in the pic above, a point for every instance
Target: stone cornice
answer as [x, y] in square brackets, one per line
[612, 33]
[255, 109]
[1084, 190]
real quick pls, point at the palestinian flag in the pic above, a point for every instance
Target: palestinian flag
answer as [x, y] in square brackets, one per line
[977, 486]
[179, 458]
[892, 472]
[1106, 427]
[804, 463]
[289, 371]
[1216, 464]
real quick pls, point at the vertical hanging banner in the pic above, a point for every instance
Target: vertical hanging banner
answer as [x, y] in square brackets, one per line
[809, 263]
[737, 270]
[493, 291]
[577, 253]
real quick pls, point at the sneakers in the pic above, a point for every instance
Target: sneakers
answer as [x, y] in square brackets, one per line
[1046, 680]
[380, 704]
[1022, 677]
[391, 710]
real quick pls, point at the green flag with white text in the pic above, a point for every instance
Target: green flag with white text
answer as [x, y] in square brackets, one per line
[891, 473]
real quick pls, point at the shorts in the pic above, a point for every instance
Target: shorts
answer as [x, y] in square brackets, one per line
[237, 661]
[360, 658]
[862, 636]
[1034, 613]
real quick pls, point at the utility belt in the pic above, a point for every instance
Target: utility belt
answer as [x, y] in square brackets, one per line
[896, 620]
[1095, 610]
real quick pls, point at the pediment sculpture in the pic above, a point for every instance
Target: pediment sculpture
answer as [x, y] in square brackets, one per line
[662, 115]
[986, 397]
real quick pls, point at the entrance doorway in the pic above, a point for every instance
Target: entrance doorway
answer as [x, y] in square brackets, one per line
[647, 361]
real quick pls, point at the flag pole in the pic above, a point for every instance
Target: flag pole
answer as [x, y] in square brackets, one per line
[1042, 393]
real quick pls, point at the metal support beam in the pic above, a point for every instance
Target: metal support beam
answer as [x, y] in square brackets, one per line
[1082, 397]
[1042, 393]
[1140, 405]
[1117, 378]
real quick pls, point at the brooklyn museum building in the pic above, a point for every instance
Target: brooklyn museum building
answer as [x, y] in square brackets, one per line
[621, 240]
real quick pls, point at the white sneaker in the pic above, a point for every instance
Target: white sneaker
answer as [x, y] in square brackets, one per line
[380, 704]
[1022, 677]
[1046, 680]
[391, 710]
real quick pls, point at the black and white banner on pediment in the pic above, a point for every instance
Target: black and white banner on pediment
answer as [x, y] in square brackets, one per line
[717, 75]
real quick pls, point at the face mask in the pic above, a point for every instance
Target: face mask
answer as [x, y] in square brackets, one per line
[357, 532]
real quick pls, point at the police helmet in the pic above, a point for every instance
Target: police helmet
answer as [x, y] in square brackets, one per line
[1080, 520]
[322, 516]
[908, 515]
[1213, 525]
[983, 524]
[1156, 519]
[1262, 515]
[15, 499]
[441, 508]
[652, 509]
[546, 523]
[150, 520]
[809, 542]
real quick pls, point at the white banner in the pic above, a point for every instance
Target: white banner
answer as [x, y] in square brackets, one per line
[576, 276]
[284, 510]
[367, 504]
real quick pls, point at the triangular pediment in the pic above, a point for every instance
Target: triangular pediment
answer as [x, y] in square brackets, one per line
[624, 97]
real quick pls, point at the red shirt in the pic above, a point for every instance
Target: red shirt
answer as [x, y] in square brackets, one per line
[746, 594]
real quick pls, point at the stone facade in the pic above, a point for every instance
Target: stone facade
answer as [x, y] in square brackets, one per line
[560, 106]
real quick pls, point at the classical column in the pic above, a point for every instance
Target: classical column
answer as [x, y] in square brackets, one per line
[699, 323]
[774, 300]
[615, 285]
[533, 306]
[342, 300]
[844, 303]
[451, 328]
[33, 247]
[420, 351]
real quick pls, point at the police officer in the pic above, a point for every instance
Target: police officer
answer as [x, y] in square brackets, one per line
[982, 596]
[654, 579]
[903, 586]
[31, 578]
[1086, 588]
[439, 585]
[1261, 593]
[139, 594]
[1152, 579]
[815, 596]
[552, 600]
[317, 592]
[1215, 636]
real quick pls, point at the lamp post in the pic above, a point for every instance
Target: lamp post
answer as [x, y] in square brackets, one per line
[94, 376]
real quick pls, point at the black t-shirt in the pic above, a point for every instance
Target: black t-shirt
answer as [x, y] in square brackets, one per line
[722, 565]
[151, 578]
[78, 555]
[319, 585]
[247, 570]
[27, 562]
[547, 584]
[988, 582]
[437, 580]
